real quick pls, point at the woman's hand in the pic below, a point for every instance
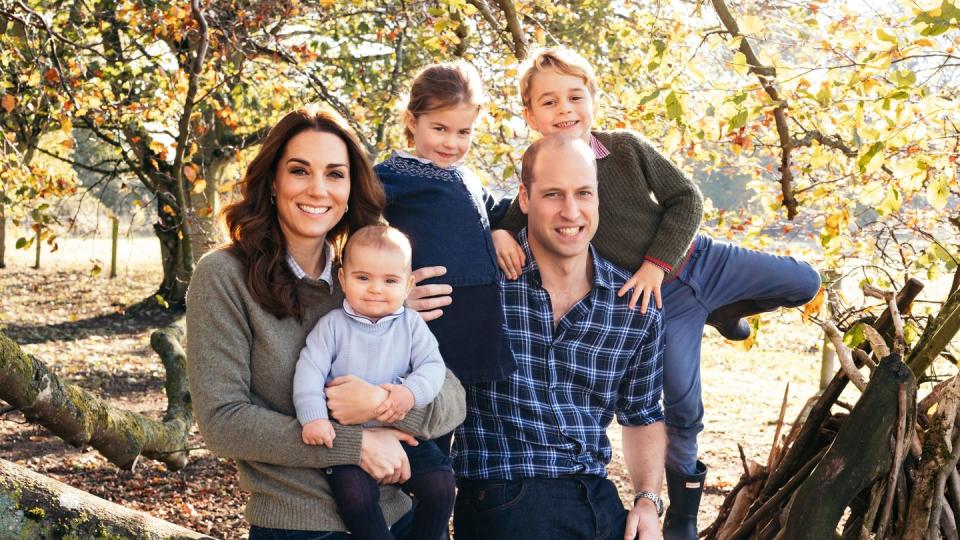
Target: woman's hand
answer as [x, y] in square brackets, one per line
[382, 457]
[428, 299]
[645, 282]
[352, 400]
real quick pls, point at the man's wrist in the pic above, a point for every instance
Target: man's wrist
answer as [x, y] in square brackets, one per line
[650, 497]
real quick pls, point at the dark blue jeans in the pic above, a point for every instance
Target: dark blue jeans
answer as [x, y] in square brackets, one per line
[570, 508]
[400, 529]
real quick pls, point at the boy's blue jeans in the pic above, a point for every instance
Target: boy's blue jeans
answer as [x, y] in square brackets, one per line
[572, 507]
[716, 274]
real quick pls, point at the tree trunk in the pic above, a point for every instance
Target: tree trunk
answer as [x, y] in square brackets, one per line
[35, 506]
[205, 230]
[81, 418]
[176, 277]
[859, 455]
[3, 230]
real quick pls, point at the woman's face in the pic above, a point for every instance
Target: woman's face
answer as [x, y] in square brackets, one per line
[311, 186]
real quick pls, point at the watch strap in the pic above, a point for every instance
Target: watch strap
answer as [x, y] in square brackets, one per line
[653, 497]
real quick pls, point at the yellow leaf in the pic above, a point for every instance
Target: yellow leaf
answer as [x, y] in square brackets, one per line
[923, 42]
[167, 209]
[937, 193]
[819, 157]
[739, 63]
[226, 187]
[750, 25]
[813, 307]
[199, 186]
[671, 141]
[8, 102]
[68, 143]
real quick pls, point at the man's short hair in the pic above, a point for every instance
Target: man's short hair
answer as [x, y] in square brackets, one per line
[556, 141]
[380, 237]
[561, 59]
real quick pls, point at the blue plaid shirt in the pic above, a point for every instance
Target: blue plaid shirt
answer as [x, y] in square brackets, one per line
[549, 418]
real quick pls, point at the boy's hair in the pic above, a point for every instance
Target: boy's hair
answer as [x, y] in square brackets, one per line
[442, 86]
[556, 141]
[560, 59]
[380, 237]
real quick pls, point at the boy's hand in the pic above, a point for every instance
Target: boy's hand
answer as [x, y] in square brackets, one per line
[510, 255]
[319, 432]
[429, 299]
[398, 403]
[645, 282]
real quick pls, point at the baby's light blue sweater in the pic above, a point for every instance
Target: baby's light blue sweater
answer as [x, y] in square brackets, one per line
[395, 350]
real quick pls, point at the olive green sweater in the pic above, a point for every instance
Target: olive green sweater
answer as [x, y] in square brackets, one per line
[241, 362]
[649, 210]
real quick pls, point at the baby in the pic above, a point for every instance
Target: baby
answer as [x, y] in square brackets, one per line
[375, 338]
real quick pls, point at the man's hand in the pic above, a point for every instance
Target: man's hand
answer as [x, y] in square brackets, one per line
[645, 282]
[352, 400]
[382, 457]
[398, 403]
[428, 299]
[642, 522]
[319, 432]
[510, 255]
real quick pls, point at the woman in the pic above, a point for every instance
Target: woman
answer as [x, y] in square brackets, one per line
[249, 308]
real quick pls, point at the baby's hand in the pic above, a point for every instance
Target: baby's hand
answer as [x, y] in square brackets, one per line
[319, 432]
[398, 403]
[510, 255]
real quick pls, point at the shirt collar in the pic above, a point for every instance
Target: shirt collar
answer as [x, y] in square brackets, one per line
[352, 313]
[599, 150]
[325, 275]
[602, 271]
[407, 155]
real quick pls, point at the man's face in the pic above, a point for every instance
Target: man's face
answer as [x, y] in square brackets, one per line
[561, 204]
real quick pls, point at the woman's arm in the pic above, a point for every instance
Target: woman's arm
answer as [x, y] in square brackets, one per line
[233, 421]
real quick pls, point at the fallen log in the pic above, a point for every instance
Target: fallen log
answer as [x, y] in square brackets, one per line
[36, 506]
[859, 455]
[82, 418]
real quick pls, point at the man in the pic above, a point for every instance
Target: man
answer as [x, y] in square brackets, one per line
[531, 457]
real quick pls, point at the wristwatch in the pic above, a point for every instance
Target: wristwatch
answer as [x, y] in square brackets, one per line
[657, 501]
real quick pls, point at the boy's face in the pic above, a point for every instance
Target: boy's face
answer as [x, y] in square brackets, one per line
[559, 103]
[375, 281]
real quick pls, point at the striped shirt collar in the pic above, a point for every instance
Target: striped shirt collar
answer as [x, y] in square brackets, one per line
[407, 155]
[325, 275]
[352, 313]
[599, 150]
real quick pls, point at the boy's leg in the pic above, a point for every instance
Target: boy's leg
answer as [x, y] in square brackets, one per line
[434, 487]
[727, 274]
[358, 500]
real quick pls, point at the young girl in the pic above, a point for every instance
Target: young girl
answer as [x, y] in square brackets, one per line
[442, 206]
[703, 281]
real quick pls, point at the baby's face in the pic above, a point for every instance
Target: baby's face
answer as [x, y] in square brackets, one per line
[375, 281]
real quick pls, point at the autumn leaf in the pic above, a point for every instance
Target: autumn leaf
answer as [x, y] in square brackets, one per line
[937, 193]
[812, 307]
[167, 209]
[190, 172]
[8, 102]
[199, 186]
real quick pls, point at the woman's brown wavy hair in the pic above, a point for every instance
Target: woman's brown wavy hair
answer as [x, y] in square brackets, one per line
[255, 234]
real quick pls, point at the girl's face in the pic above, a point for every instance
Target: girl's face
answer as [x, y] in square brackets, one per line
[311, 186]
[443, 136]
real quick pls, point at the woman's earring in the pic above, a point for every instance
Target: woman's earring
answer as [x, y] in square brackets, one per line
[273, 199]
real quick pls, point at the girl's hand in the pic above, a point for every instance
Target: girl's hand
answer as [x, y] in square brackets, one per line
[510, 255]
[428, 299]
[382, 457]
[352, 400]
[398, 403]
[319, 432]
[645, 282]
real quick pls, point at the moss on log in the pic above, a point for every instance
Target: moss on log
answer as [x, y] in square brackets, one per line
[35, 506]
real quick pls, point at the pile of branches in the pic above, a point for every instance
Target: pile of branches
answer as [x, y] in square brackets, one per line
[886, 466]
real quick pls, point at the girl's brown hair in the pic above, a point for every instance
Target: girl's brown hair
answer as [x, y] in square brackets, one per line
[255, 234]
[441, 86]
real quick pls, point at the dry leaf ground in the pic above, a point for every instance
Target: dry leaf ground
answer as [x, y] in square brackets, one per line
[75, 322]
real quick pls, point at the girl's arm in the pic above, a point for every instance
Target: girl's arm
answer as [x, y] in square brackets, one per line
[233, 421]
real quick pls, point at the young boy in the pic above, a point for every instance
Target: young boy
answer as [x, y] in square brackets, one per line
[703, 281]
[377, 339]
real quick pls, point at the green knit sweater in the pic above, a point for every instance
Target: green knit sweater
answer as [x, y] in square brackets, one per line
[241, 362]
[649, 210]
